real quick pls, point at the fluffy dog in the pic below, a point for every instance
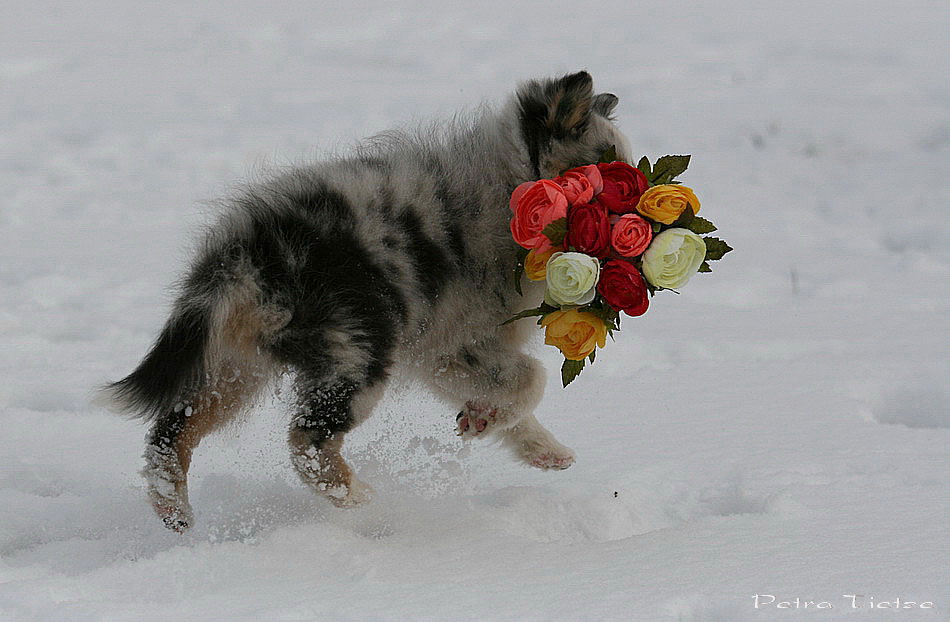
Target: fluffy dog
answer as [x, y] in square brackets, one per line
[339, 270]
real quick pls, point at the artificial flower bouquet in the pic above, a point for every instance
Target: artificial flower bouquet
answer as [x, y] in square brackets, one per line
[605, 237]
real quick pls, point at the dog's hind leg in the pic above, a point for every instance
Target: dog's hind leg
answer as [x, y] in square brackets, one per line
[326, 411]
[175, 434]
[235, 371]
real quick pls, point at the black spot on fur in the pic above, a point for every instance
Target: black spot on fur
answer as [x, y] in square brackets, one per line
[456, 208]
[470, 359]
[312, 261]
[324, 410]
[533, 111]
[553, 110]
[429, 260]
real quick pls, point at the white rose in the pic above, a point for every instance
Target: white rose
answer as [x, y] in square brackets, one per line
[572, 279]
[673, 257]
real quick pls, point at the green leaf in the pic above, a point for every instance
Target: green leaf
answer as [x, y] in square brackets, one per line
[715, 248]
[570, 370]
[669, 167]
[685, 218]
[593, 355]
[526, 313]
[656, 227]
[556, 231]
[519, 268]
[605, 312]
[644, 166]
[704, 267]
[700, 225]
[609, 156]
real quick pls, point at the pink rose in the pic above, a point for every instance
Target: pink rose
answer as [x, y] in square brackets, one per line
[581, 184]
[631, 235]
[535, 206]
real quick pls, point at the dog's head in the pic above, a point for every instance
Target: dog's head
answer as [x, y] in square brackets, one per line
[563, 124]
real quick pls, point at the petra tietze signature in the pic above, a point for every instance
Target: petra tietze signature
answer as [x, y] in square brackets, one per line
[845, 601]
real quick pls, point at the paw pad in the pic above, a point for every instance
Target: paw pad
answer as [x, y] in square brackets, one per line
[474, 420]
[552, 461]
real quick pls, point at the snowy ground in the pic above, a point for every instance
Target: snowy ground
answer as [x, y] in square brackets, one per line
[781, 428]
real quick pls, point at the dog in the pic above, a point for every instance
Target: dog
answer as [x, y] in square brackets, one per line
[337, 271]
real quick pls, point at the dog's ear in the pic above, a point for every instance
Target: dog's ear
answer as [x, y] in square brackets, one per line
[604, 104]
[557, 108]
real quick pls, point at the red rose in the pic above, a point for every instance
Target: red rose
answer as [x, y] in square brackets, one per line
[623, 186]
[588, 230]
[535, 206]
[630, 235]
[622, 286]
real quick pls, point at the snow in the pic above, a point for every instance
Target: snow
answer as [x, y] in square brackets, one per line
[780, 428]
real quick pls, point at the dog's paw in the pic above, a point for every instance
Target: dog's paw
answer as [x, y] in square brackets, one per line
[172, 507]
[474, 420]
[536, 446]
[553, 460]
[350, 495]
[167, 490]
[177, 519]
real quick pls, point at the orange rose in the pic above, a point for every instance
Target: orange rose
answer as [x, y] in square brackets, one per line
[575, 333]
[535, 206]
[666, 203]
[536, 263]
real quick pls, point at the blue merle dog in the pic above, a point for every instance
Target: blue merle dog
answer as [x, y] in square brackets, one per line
[338, 270]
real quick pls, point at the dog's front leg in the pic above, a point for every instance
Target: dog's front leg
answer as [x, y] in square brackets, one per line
[501, 388]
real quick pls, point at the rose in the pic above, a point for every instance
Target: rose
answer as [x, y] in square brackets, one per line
[588, 230]
[535, 206]
[577, 188]
[575, 333]
[631, 235]
[666, 203]
[623, 288]
[536, 263]
[592, 173]
[674, 256]
[623, 186]
[581, 184]
[572, 279]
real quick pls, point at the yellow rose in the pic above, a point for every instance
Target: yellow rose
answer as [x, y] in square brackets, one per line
[665, 203]
[575, 333]
[536, 264]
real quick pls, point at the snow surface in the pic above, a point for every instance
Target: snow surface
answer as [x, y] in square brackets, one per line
[780, 428]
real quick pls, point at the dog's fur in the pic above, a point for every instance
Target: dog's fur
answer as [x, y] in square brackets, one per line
[337, 271]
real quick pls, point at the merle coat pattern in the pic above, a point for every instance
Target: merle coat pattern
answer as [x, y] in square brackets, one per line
[337, 270]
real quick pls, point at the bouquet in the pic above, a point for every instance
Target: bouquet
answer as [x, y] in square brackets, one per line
[606, 237]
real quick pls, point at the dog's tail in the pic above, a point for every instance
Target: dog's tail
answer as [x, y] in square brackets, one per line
[175, 364]
[219, 329]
